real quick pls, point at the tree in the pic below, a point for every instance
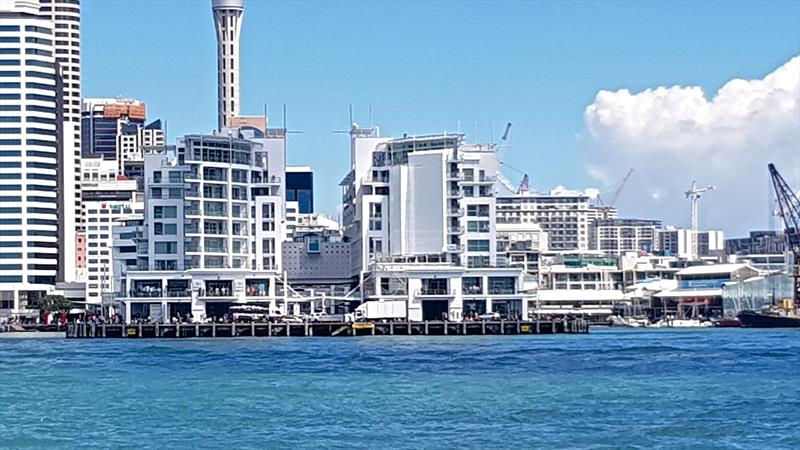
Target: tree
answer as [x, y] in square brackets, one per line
[54, 303]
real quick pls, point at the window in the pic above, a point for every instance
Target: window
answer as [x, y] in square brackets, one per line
[478, 245]
[165, 212]
[169, 248]
[478, 226]
[478, 210]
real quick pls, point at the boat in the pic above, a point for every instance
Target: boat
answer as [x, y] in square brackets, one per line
[783, 315]
[727, 322]
[628, 321]
[682, 323]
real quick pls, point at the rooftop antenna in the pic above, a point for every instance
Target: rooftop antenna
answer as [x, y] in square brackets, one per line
[284, 116]
[351, 116]
[370, 115]
[458, 126]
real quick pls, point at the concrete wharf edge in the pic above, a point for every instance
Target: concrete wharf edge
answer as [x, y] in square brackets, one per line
[323, 329]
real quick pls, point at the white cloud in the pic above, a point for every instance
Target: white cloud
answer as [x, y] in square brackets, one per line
[671, 136]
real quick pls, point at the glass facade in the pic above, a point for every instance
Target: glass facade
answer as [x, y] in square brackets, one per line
[300, 189]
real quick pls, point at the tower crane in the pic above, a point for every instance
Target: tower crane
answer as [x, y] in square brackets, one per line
[605, 209]
[789, 210]
[694, 193]
[523, 185]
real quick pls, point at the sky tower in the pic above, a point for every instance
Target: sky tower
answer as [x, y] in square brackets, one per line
[228, 23]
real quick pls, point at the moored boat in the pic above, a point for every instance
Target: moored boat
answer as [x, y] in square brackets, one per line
[768, 319]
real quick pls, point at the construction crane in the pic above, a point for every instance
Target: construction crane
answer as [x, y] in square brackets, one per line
[789, 210]
[523, 184]
[694, 193]
[605, 209]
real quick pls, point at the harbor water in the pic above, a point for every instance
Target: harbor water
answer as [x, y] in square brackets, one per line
[709, 388]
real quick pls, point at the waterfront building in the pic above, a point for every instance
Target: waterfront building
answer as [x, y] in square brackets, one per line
[565, 215]
[30, 120]
[419, 214]
[678, 242]
[228, 15]
[699, 290]
[109, 199]
[115, 129]
[213, 227]
[300, 188]
[65, 19]
[615, 237]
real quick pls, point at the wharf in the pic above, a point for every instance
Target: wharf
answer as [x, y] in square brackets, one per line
[324, 329]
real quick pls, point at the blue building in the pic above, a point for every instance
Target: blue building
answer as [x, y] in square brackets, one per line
[300, 188]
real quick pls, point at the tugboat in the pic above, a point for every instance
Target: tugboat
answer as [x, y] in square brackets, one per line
[783, 315]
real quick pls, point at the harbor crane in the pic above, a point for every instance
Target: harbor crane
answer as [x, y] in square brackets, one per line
[694, 193]
[789, 210]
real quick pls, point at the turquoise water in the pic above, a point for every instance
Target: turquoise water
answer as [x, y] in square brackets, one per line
[719, 388]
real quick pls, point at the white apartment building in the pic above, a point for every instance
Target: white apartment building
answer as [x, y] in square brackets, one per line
[109, 200]
[419, 213]
[213, 227]
[29, 158]
[615, 237]
[678, 242]
[565, 215]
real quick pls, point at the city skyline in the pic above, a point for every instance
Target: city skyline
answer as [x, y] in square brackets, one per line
[318, 88]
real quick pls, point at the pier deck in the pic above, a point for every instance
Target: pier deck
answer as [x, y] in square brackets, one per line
[324, 329]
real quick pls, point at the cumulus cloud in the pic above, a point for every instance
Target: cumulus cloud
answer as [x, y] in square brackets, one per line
[673, 135]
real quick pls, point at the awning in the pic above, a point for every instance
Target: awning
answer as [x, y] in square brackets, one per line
[690, 293]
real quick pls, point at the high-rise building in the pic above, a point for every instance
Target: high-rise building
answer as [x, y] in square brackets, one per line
[115, 129]
[29, 127]
[228, 24]
[65, 16]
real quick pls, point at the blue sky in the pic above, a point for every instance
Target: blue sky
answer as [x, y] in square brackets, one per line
[425, 66]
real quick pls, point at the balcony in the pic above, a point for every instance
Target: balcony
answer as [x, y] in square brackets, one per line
[455, 212]
[455, 176]
[455, 230]
[455, 193]
[435, 292]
